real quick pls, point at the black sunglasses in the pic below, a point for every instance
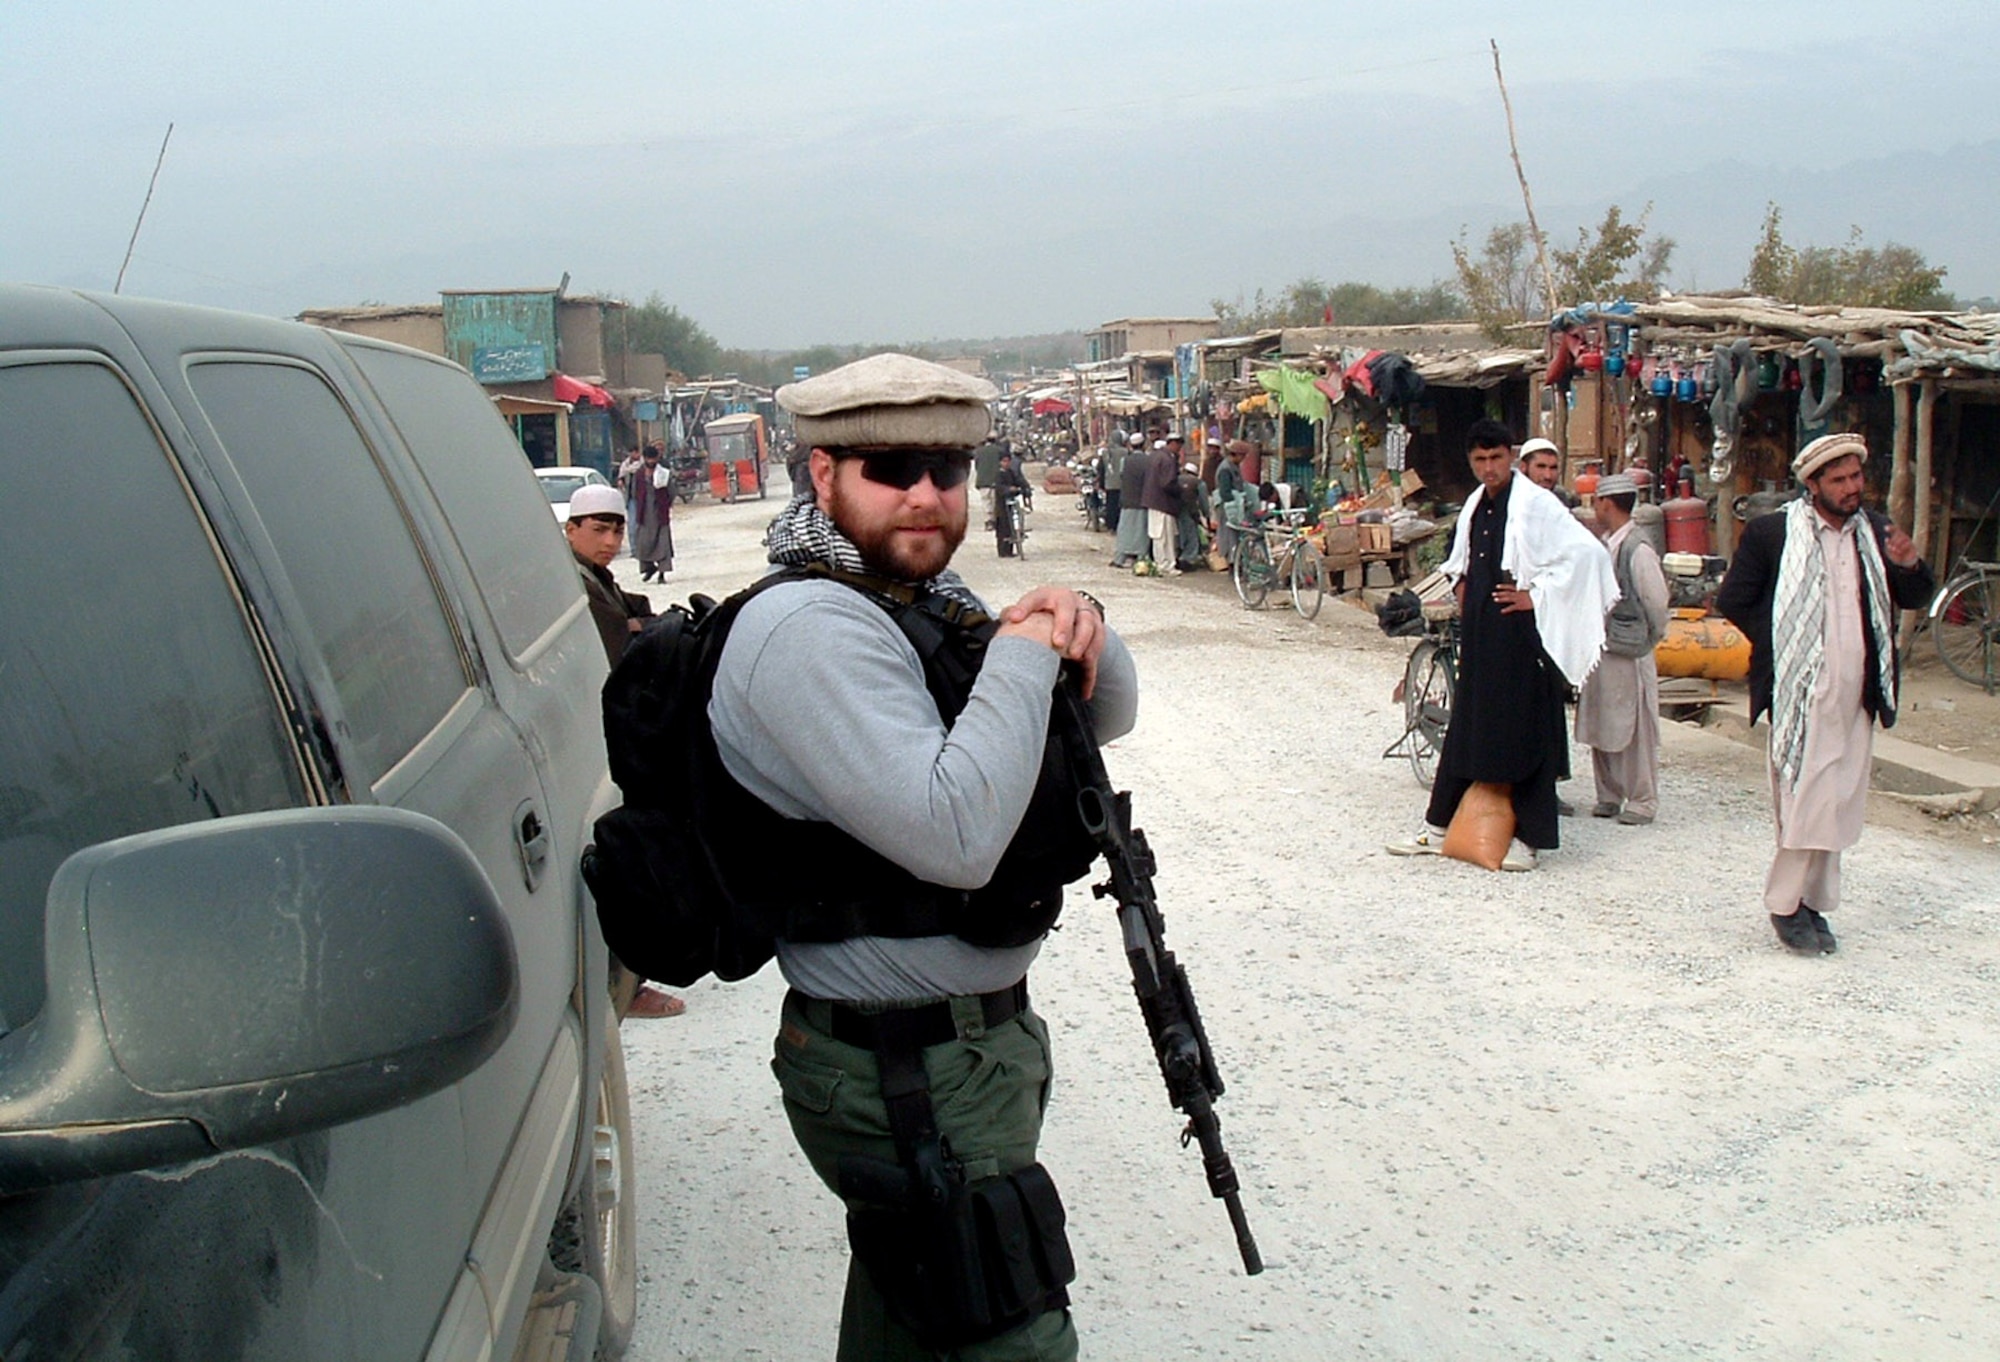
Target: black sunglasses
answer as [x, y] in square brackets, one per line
[905, 468]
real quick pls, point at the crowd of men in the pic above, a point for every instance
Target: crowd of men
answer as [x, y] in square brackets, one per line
[1548, 610]
[895, 730]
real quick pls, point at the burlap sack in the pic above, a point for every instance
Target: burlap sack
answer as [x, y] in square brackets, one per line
[1483, 828]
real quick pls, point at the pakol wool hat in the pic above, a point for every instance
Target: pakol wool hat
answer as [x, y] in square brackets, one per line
[1824, 451]
[1617, 485]
[890, 401]
[597, 499]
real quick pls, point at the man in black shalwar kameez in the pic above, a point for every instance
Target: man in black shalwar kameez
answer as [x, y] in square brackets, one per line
[1507, 723]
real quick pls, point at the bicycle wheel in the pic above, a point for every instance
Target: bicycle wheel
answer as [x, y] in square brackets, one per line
[1428, 686]
[1252, 569]
[1964, 622]
[1308, 579]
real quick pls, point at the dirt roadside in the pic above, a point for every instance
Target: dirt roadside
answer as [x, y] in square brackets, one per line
[1589, 1112]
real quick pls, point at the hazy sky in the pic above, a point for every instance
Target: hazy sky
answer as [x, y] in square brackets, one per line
[794, 173]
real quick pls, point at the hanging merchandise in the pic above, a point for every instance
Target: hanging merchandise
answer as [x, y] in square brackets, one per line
[1396, 447]
[1816, 406]
[1295, 393]
[1767, 373]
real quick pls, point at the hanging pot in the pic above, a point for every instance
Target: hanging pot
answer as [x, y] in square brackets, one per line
[1685, 387]
[1591, 361]
[1767, 373]
[1663, 382]
[1614, 363]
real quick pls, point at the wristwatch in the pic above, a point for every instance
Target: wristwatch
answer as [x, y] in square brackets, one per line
[1093, 603]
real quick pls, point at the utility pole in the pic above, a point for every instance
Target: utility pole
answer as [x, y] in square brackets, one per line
[157, 163]
[1527, 199]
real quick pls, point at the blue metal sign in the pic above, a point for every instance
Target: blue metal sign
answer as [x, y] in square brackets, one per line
[800, 373]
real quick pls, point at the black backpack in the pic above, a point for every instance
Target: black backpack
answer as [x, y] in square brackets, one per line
[663, 899]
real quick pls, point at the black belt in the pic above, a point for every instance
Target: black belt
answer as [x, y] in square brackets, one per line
[916, 1027]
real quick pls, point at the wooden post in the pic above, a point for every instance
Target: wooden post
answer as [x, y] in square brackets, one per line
[1900, 498]
[1926, 412]
[1527, 199]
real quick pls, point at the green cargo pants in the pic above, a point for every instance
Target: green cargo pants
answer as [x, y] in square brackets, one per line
[989, 1090]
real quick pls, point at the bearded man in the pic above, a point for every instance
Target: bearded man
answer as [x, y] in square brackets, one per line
[1815, 586]
[912, 849]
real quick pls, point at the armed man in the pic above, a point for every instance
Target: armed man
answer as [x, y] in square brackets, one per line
[919, 823]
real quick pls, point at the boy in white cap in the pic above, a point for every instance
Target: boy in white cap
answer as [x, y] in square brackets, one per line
[596, 530]
[1815, 586]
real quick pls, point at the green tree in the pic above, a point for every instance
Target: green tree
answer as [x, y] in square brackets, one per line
[1499, 283]
[1309, 301]
[655, 327]
[1854, 275]
[1502, 283]
[1619, 261]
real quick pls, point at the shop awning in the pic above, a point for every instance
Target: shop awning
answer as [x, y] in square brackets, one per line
[569, 389]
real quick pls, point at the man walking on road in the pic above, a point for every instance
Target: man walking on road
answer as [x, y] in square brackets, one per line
[1618, 714]
[1160, 495]
[1815, 586]
[1533, 588]
[896, 741]
[1132, 544]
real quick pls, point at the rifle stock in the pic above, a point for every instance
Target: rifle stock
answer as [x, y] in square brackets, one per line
[1166, 999]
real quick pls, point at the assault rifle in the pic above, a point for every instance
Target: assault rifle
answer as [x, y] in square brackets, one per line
[1165, 997]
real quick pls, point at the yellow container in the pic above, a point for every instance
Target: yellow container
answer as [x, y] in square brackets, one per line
[1704, 645]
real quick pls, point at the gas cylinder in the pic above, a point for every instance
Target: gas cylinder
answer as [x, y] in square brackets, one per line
[1586, 481]
[1702, 644]
[1687, 525]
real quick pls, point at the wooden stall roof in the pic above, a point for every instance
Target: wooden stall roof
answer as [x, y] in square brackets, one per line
[1947, 345]
[1446, 354]
[331, 316]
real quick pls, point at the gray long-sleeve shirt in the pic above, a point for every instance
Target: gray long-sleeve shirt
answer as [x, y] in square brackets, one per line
[820, 710]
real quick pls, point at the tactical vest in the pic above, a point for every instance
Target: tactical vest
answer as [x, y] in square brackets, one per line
[807, 881]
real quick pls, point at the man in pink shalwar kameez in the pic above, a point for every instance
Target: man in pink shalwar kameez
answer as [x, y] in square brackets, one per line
[1815, 586]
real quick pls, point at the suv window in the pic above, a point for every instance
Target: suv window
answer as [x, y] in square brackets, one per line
[366, 592]
[135, 697]
[483, 482]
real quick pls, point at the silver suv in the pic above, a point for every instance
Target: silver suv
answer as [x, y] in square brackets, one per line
[305, 1049]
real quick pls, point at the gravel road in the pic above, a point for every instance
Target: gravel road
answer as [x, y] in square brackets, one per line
[1589, 1112]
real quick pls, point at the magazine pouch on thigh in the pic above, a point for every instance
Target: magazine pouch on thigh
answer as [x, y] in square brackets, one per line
[987, 1259]
[956, 1262]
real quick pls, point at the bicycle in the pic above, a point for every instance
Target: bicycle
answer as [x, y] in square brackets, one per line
[1256, 567]
[1430, 683]
[1965, 621]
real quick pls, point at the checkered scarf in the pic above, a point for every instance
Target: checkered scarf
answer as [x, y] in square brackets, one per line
[803, 534]
[1798, 629]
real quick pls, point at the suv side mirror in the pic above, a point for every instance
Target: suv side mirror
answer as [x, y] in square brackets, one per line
[229, 983]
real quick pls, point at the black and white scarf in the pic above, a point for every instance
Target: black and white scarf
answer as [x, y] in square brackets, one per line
[1798, 629]
[803, 534]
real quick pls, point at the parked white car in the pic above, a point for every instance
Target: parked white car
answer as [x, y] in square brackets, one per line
[560, 484]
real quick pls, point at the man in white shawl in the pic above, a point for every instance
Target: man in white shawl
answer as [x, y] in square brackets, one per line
[1815, 586]
[1533, 589]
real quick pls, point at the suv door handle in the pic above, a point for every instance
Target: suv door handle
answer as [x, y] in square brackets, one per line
[531, 839]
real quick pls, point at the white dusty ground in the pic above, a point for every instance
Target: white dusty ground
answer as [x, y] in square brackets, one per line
[1590, 1112]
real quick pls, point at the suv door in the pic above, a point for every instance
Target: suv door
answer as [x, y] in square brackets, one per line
[416, 723]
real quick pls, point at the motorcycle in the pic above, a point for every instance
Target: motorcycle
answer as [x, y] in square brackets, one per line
[1010, 521]
[1090, 497]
